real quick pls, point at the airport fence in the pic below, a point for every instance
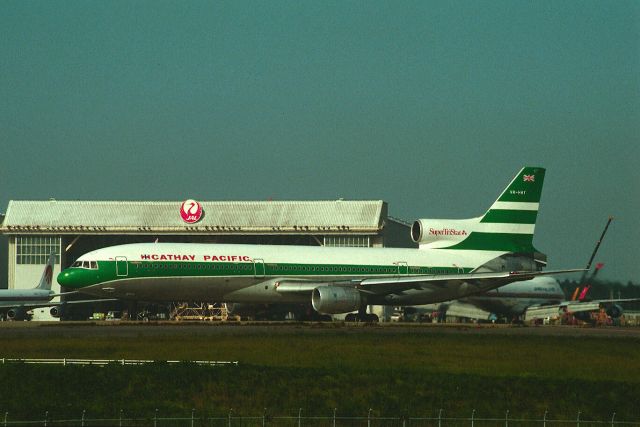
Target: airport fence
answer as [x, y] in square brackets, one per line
[265, 420]
[105, 362]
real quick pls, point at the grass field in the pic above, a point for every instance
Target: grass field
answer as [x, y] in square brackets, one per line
[395, 371]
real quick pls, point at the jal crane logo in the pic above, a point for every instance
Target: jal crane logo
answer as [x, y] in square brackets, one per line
[191, 211]
[48, 274]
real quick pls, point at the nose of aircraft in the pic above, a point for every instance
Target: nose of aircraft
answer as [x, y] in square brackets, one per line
[65, 278]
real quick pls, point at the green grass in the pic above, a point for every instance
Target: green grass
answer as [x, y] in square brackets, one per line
[493, 355]
[394, 372]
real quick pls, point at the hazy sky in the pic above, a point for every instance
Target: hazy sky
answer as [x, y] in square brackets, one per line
[431, 106]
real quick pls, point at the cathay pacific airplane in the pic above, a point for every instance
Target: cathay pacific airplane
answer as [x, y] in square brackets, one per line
[455, 259]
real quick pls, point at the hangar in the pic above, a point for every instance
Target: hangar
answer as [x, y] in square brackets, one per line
[34, 229]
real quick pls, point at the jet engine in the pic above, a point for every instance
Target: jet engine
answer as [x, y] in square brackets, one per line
[614, 311]
[16, 313]
[335, 299]
[56, 311]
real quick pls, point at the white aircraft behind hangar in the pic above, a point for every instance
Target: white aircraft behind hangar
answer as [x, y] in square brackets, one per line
[455, 259]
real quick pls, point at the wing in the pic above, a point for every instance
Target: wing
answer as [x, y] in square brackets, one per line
[31, 306]
[554, 310]
[577, 307]
[462, 284]
[477, 282]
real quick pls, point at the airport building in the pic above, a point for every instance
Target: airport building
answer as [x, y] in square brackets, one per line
[34, 229]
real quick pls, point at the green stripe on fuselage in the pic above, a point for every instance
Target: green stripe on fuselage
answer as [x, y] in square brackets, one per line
[149, 269]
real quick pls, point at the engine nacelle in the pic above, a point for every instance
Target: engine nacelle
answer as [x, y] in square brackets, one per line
[614, 311]
[335, 299]
[433, 231]
[56, 311]
[16, 313]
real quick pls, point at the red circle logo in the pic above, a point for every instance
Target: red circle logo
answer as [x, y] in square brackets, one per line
[191, 211]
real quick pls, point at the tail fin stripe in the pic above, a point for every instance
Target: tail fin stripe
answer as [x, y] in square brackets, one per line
[509, 223]
[506, 242]
[519, 206]
[510, 216]
[504, 228]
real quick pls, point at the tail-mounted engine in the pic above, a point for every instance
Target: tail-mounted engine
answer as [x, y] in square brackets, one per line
[441, 232]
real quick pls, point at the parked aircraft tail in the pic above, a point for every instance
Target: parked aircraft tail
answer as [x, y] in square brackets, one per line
[583, 294]
[507, 226]
[47, 274]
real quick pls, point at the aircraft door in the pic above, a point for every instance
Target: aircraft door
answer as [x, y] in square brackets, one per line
[122, 267]
[403, 268]
[258, 268]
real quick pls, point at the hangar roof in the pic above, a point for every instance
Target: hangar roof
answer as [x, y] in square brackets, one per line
[219, 217]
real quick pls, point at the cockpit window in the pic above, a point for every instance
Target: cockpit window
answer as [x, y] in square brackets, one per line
[93, 265]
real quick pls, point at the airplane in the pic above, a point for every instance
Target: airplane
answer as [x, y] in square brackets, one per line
[529, 300]
[510, 301]
[455, 259]
[15, 304]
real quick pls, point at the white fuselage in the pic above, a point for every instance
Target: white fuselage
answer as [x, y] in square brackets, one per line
[165, 271]
[10, 298]
[513, 299]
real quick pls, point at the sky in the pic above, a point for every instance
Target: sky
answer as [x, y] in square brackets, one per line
[432, 106]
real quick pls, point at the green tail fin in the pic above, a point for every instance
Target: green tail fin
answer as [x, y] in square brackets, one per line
[509, 223]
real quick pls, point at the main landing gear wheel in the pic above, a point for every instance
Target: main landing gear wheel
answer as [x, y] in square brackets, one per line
[371, 318]
[365, 317]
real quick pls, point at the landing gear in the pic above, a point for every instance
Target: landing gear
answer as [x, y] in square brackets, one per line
[371, 318]
[362, 316]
